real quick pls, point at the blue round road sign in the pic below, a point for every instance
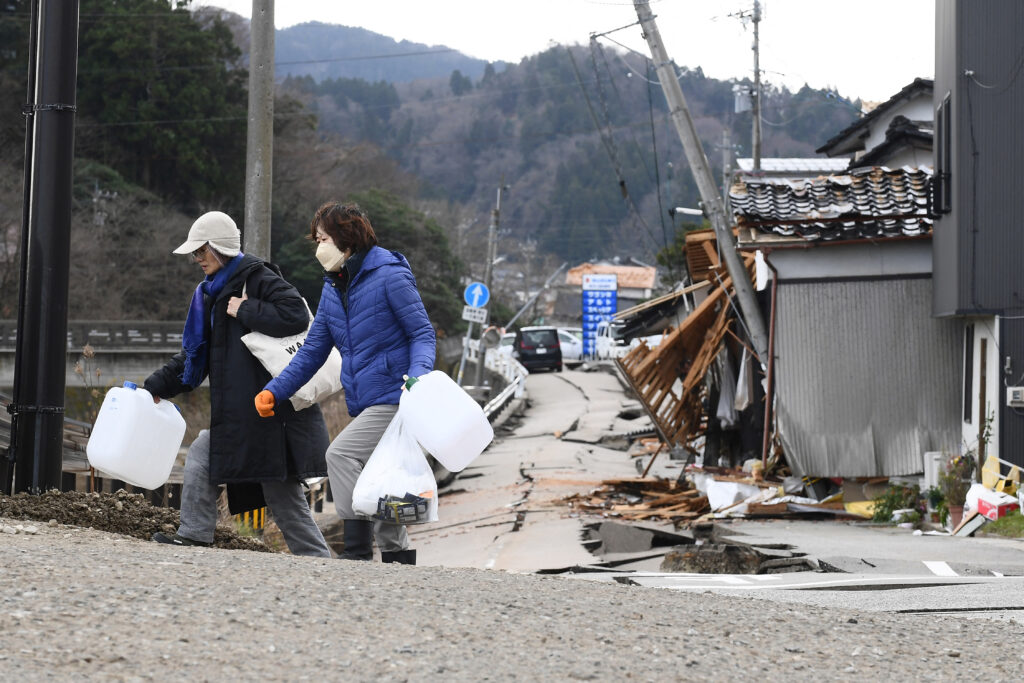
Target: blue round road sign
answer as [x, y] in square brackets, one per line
[476, 294]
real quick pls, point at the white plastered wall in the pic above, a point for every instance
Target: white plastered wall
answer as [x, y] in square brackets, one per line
[987, 329]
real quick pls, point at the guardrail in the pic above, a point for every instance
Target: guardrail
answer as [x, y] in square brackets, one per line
[108, 335]
[510, 370]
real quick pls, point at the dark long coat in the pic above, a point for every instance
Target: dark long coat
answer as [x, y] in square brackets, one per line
[245, 448]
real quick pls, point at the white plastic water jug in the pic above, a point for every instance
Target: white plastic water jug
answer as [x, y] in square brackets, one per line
[134, 439]
[445, 420]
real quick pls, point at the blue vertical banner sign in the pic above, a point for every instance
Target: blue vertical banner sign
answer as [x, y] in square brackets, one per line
[600, 303]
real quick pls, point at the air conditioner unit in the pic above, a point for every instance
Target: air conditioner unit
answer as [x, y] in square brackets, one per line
[1015, 397]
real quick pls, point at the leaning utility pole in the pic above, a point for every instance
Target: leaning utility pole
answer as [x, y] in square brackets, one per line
[259, 148]
[756, 134]
[705, 180]
[492, 254]
[35, 458]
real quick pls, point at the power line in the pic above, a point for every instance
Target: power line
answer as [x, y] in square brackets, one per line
[610, 149]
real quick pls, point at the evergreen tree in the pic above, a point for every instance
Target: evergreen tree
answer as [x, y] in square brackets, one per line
[162, 99]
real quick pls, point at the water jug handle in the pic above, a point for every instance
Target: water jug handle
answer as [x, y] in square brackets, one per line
[131, 385]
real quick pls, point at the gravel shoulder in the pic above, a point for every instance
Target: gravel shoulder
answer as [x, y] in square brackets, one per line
[83, 604]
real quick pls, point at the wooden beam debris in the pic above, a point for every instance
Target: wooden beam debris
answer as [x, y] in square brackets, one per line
[640, 499]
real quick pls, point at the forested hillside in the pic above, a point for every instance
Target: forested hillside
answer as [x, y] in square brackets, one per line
[581, 138]
[160, 138]
[331, 51]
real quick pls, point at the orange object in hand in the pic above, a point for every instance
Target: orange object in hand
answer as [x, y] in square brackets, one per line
[265, 403]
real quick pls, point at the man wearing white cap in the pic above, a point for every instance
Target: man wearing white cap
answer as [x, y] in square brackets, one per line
[260, 461]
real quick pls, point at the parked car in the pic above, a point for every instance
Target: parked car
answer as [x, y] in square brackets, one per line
[571, 344]
[505, 344]
[538, 347]
[608, 342]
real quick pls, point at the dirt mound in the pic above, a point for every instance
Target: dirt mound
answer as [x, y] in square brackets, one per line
[128, 514]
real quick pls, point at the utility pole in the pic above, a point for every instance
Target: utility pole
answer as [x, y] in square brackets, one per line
[259, 147]
[726, 163]
[492, 254]
[756, 134]
[705, 181]
[35, 458]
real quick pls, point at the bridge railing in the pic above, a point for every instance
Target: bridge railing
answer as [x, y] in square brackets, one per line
[109, 335]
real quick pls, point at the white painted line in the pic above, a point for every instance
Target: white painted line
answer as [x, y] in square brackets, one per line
[940, 568]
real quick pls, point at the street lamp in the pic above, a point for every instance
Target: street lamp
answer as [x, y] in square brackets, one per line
[685, 211]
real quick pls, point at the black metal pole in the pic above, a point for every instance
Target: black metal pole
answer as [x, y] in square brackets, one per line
[7, 464]
[41, 352]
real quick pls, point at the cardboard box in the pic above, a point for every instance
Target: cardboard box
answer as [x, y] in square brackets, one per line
[993, 510]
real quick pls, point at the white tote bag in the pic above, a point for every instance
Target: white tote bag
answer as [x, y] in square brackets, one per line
[274, 353]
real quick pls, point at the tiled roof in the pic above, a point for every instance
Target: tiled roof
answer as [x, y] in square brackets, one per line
[807, 166]
[902, 133]
[843, 141]
[633, 277]
[868, 203]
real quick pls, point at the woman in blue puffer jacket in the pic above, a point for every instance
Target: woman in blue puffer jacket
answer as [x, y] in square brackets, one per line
[371, 311]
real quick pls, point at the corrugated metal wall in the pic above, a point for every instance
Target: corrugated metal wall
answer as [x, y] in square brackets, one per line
[867, 380]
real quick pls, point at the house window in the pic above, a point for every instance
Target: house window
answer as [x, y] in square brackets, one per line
[942, 189]
[968, 371]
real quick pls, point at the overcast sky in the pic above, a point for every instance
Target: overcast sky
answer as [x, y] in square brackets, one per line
[862, 48]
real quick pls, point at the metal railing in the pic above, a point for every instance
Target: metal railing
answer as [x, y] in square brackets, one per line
[109, 335]
[508, 368]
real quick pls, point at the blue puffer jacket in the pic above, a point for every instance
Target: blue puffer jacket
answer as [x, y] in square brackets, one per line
[380, 327]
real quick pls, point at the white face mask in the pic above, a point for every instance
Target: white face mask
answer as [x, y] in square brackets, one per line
[330, 257]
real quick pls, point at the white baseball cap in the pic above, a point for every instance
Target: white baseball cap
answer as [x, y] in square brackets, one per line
[216, 228]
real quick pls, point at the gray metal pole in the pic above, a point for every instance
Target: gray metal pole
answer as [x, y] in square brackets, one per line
[41, 349]
[705, 180]
[756, 133]
[259, 156]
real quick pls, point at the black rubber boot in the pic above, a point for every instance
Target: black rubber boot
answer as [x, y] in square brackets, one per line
[399, 556]
[175, 539]
[358, 538]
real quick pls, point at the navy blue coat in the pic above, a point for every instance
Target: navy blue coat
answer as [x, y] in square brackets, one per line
[243, 447]
[379, 326]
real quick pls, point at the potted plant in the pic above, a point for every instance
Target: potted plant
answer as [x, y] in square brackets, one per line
[936, 503]
[954, 481]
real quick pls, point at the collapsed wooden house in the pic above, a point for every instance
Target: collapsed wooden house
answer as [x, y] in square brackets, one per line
[669, 378]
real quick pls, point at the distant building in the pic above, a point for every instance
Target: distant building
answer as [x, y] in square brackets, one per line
[636, 284]
[792, 167]
[896, 133]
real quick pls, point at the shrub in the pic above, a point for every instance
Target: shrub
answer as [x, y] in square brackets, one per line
[898, 497]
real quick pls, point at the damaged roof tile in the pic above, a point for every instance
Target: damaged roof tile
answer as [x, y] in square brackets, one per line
[867, 203]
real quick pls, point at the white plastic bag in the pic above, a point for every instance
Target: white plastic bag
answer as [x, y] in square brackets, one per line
[745, 383]
[396, 468]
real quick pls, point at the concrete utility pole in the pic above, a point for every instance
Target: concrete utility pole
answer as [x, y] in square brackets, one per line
[726, 163]
[259, 148]
[492, 254]
[756, 134]
[35, 458]
[705, 180]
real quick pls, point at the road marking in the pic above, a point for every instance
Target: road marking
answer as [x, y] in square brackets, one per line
[940, 568]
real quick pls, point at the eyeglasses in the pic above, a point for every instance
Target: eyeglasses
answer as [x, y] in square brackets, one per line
[200, 253]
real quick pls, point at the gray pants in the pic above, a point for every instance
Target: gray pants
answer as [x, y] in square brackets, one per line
[284, 498]
[346, 457]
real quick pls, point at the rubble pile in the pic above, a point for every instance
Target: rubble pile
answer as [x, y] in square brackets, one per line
[640, 499]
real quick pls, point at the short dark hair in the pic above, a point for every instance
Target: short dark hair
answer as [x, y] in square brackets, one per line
[346, 224]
